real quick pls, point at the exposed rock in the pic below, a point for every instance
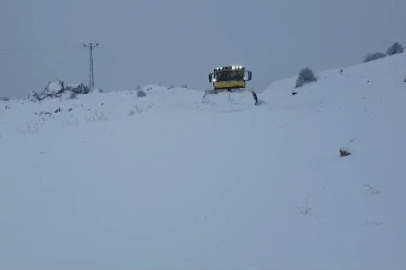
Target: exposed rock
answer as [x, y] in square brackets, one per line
[344, 152]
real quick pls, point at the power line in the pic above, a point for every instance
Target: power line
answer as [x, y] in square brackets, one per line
[91, 47]
[38, 48]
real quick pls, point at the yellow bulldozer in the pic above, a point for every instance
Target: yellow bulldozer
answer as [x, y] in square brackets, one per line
[230, 79]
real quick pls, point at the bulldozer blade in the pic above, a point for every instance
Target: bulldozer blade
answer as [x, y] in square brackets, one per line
[239, 90]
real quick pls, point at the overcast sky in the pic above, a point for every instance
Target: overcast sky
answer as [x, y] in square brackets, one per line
[181, 41]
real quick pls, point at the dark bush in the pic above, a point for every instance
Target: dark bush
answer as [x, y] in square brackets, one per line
[373, 56]
[344, 152]
[395, 49]
[306, 75]
[140, 93]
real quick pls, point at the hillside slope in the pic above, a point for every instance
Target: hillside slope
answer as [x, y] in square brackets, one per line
[166, 181]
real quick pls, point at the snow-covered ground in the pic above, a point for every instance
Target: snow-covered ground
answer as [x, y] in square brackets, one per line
[166, 181]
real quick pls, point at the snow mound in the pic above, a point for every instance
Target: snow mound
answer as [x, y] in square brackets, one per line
[53, 87]
[229, 102]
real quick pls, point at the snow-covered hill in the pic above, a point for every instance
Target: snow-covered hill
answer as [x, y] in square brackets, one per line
[166, 181]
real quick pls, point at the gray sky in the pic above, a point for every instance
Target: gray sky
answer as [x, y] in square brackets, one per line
[181, 41]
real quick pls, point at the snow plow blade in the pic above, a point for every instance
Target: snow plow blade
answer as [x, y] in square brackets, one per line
[241, 90]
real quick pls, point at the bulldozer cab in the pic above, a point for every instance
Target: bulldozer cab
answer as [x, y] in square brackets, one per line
[234, 75]
[230, 77]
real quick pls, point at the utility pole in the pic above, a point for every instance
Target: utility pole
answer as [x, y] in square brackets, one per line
[91, 75]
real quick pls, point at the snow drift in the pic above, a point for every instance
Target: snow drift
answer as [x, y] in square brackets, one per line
[169, 181]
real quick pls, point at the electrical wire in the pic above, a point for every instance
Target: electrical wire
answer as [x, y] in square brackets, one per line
[29, 49]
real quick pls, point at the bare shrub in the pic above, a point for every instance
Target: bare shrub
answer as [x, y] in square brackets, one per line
[73, 95]
[134, 110]
[306, 208]
[372, 190]
[97, 116]
[28, 128]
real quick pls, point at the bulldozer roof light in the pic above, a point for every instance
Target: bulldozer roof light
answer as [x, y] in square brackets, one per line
[229, 67]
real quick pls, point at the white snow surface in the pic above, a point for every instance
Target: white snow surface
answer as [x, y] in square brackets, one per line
[167, 181]
[53, 87]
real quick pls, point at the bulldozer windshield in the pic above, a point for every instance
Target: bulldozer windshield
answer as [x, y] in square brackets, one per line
[232, 75]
